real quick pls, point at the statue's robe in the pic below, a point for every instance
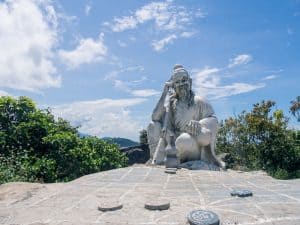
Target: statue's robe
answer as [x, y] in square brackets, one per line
[188, 147]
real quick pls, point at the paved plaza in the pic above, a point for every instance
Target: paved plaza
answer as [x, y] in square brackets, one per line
[274, 202]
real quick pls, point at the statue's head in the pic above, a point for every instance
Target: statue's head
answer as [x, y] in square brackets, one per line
[182, 82]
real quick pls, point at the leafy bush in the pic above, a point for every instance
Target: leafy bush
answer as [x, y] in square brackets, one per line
[295, 108]
[280, 174]
[36, 147]
[143, 137]
[261, 140]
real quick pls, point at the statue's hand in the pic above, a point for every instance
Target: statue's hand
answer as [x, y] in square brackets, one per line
[193, 128]
[169, 88]
[168, 85]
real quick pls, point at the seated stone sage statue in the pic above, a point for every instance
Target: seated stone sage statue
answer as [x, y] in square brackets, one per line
[188, 119]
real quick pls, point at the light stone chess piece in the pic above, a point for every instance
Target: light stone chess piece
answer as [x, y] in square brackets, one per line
[186, 118]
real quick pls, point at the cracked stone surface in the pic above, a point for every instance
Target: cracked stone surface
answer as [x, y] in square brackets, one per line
[274, 202]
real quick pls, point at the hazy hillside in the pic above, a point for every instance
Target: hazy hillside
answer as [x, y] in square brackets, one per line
[122, 142]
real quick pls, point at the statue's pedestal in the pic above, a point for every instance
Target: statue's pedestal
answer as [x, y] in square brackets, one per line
[171, 161]
[171, 158]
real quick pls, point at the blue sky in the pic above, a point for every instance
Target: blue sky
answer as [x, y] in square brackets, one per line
[102, 64]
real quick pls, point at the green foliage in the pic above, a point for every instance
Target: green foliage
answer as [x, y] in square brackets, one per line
[36, 147]
[295, 108]
[143, 137]
[280, 174]
[260, 139]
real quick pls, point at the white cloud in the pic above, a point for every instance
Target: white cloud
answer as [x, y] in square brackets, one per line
[127, 86]
[160, 44]
[271, 77]
[29, 33]
[240, 60]
[130, 86]
[144, 92]
[121, 85]
[87, 9]
[115, 73]
[167, 19]
[122, 44]
[139, 81]
[187, 34]
[166, 16]
[88, 51]
[124, 23]
[102, 117]
[200, 14]
[4, 93]
[132, 38]
[208, 84]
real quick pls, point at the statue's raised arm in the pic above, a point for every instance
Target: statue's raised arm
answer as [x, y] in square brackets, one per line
[190, 119]
[160, 108]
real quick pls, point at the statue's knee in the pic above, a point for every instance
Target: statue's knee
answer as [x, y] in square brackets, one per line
[209, 125]
[187, 148]
[205, 137]
[210, 122]
[185, 141]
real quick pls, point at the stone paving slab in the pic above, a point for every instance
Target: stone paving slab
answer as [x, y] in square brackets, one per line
[274, 202]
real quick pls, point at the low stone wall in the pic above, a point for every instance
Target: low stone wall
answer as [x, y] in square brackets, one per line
[137, 154]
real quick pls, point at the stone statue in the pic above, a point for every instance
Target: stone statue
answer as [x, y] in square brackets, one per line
[186, 119]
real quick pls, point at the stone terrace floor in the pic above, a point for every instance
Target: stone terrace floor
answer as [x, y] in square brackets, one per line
[273, 202]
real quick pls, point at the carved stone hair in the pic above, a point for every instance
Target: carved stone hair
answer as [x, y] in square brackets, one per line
[179, 69]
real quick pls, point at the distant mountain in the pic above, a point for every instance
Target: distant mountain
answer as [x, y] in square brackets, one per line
[122, 142]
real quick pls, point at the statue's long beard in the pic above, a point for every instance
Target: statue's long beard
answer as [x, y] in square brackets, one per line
[183, 93]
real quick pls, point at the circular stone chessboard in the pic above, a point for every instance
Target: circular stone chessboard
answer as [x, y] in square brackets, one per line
[109, 206]
[241, 193]
[203, 217]
[170, 170]
[157, 204]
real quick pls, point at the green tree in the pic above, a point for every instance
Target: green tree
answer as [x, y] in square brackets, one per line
[260, 139]
[295, 108]
[36, 147]
[143, 137]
